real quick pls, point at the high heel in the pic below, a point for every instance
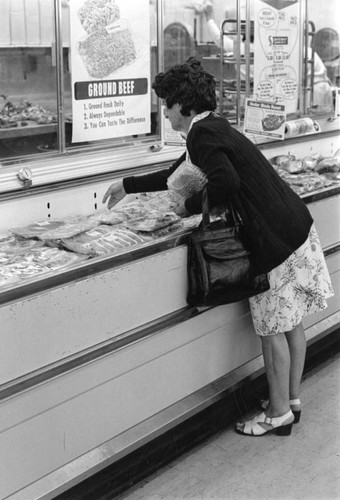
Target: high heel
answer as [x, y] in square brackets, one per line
[297, 416]
[292, 402]
[281, 425]
[297, 412]
[284, 430]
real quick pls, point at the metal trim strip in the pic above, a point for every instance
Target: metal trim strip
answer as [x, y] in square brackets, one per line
[331, 250]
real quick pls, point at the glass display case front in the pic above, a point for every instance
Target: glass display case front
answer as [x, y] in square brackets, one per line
[40, 113]
[28, 101]
[230, 38]
[36, 109]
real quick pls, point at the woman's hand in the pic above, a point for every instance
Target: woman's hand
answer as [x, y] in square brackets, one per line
[181, 210]
[115, 193]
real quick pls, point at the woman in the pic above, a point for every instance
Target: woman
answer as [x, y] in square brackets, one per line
[285, 244]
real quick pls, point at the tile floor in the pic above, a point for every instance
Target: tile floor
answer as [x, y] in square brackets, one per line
[303, 466]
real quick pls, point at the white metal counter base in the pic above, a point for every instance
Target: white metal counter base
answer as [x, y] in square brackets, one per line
[113, 450]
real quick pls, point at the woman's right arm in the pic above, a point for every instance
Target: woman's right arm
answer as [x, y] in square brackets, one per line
[156, 181]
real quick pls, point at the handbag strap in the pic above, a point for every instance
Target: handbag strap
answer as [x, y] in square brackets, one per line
[205, 209]
[234, 216]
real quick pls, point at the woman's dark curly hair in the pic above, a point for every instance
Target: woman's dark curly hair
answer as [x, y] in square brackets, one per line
[189, 85]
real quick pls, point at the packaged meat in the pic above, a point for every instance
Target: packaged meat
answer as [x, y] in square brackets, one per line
[331, 176]
[14, 114]
[35, 229]
[331, 164]
[109, 217]
[95, 15]
[318, 156]
[153, 221]
[305, 182]
[69, 228]
[294, 166]
[310, 162]
[49, 230]
[104, 51]
[35, 262]
[163, 201]
[165, 231]
[281, 160]
[132, 211]
[186, 180]
[19, 246]
[103, 240]
[6, 238]
[192, 221]
[109, 42]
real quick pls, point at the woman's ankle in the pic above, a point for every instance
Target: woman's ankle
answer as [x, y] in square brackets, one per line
[295, 403]
[277, 411]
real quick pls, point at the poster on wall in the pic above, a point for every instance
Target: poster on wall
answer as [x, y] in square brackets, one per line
[264, 118]
[277, 52]
[110, 67]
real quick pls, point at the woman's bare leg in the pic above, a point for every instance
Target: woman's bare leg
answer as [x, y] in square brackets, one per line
[276, 356]
[297, 349]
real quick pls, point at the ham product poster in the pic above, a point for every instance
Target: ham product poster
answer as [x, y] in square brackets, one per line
[264, 118]
[110, 66]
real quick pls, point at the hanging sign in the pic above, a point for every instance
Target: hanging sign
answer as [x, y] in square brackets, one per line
[264, 118]
[277, 52]
[110, 67]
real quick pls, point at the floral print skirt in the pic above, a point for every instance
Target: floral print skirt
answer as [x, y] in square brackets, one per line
[298, 287]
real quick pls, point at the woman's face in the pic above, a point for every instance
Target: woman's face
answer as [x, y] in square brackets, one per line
[175, 117]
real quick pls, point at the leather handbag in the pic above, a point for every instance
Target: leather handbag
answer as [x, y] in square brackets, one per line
[219, 266]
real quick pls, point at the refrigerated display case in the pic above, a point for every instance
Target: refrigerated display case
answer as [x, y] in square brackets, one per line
[103, 355]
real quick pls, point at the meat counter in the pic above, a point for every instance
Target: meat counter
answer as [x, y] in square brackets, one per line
[101, 357]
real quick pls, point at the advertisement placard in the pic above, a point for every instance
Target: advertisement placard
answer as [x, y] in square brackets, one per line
[264, 118]
[110, 67]
[277, 52]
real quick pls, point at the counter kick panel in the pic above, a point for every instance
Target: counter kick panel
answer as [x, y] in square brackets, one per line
[52, 424]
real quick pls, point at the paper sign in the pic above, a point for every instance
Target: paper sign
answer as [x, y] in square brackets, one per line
[277, 52]
[265, 119]
[110, 67]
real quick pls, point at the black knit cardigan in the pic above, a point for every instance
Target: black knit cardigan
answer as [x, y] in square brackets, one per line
[277, 220]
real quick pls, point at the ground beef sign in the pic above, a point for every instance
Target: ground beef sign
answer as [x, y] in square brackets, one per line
[110, 64]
